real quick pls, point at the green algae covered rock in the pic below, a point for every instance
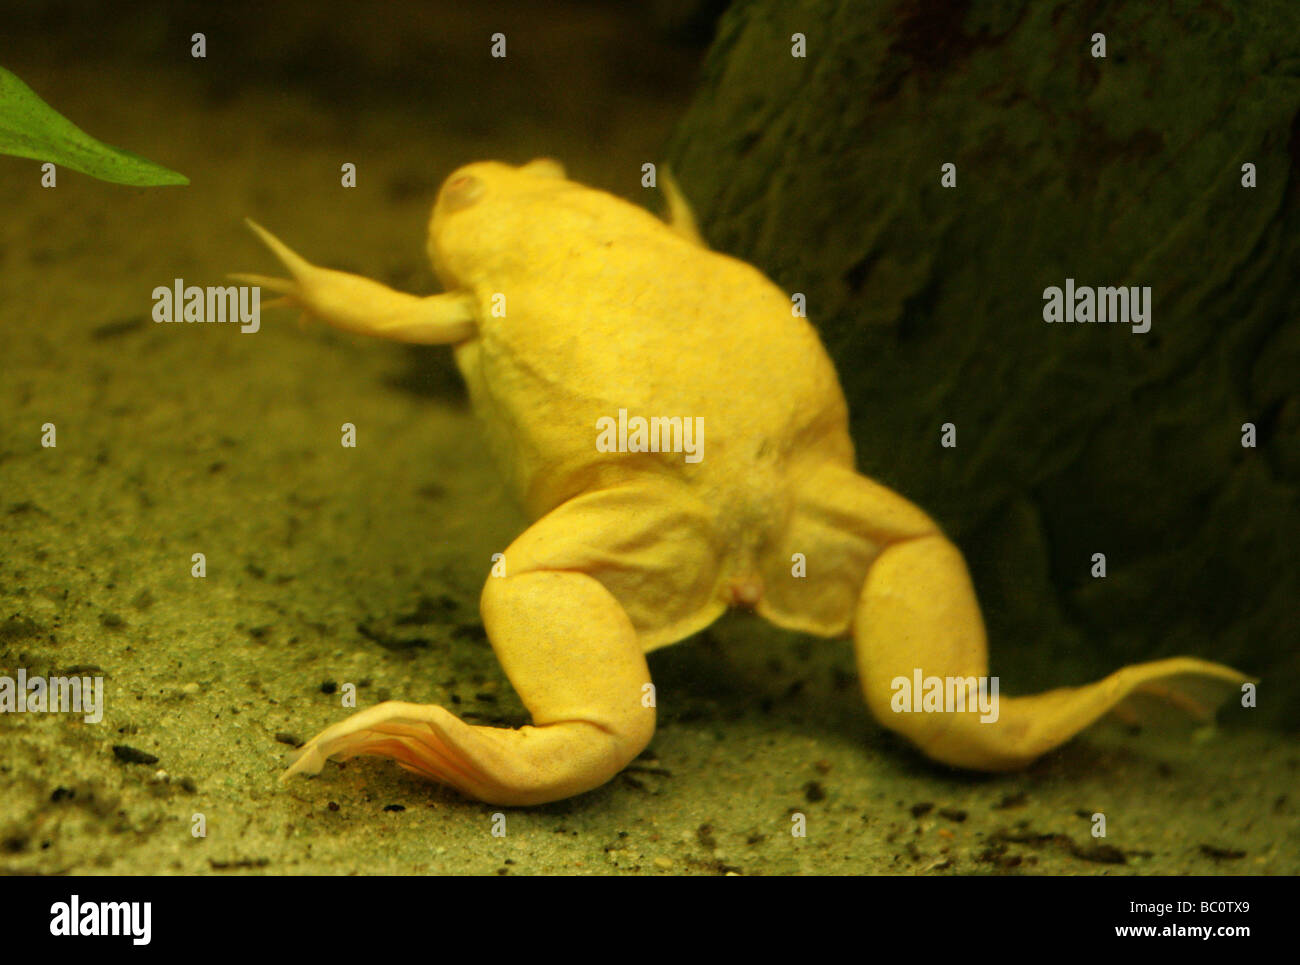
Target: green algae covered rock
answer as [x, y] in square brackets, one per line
[1122, 170]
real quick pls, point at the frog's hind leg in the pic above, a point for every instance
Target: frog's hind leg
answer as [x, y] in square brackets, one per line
[916, 617]
[572, 655]
[357, 304]
[569, 647]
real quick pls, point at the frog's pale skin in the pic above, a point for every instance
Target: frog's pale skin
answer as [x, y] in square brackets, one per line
[608, 308]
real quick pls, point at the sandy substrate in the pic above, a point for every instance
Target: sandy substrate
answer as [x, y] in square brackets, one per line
[328, 566]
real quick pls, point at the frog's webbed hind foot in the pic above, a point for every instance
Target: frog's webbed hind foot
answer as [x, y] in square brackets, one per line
[357, 304]
[530, 765]
[1027, 727]
[392, 729]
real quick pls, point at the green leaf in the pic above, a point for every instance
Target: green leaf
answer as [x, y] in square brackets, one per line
[30, 128]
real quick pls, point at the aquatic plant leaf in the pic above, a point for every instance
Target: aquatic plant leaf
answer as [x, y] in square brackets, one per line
[30, 128]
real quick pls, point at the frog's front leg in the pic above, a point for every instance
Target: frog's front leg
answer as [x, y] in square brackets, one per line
[916, 611]
[358, 304]
[570, 650]
[681, 218]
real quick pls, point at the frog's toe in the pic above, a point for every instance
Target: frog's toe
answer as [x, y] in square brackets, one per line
[298, 266]
[282, 286]
[303, 290]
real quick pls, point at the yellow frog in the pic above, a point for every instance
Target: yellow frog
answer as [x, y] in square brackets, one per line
[729, 481]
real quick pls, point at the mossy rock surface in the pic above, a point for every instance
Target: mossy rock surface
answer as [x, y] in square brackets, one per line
[1072, 439]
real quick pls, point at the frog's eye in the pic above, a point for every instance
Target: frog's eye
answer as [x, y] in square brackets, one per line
[462, 191]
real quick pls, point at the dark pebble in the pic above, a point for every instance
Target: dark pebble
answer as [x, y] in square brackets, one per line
[129, 755]
[113, 329]
[1221, 854]
[19, 628]
[1101, 854]
[84, 668]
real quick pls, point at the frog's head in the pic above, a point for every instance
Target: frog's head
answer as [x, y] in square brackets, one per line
[482, 211]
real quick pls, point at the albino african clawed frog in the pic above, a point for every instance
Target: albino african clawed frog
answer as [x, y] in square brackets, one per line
[570, 310]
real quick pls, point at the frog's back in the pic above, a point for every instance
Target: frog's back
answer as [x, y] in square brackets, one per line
[620, 318]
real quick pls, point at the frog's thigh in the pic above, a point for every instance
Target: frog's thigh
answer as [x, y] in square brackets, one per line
[649, 542]
[917, 613]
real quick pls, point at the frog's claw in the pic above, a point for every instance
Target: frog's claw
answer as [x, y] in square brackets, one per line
[577, 663]
[357, 304]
